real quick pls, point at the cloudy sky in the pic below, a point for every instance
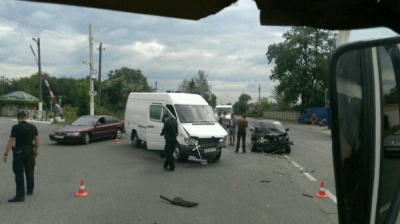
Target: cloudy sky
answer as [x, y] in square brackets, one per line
[229, 46]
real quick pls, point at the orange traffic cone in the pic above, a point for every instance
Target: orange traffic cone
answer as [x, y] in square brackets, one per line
[321, 193]
[116, 141]
[82, 191]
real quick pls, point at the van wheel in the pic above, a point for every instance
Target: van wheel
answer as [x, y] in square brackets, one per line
[118, 133]
[135, 140]
[178, 154]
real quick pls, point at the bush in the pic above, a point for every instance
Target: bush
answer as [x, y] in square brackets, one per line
[70, 114]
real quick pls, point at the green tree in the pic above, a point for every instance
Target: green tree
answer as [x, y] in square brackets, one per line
[265, 105]
[213, 100]
[392, 97]
[242, 105]
[301, 65]
[119, 84]
[81, 94]
[281, 103]
[5, 85]
[197, 85]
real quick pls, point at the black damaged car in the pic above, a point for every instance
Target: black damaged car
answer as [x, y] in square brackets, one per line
[270, 136]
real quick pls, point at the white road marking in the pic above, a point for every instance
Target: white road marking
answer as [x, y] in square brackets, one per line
[310, 177]
[295, 164]
[331, 196]
[384, 208]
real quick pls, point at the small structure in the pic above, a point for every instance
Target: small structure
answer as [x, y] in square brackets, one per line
[11, 102]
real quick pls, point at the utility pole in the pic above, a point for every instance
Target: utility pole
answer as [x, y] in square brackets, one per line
[40, 77]
[259, 92]
[99, 83]
[91, 92]
[156, 87]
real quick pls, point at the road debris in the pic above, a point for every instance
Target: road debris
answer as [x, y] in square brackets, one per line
[265, 181]
[180, 202]
[307, 195]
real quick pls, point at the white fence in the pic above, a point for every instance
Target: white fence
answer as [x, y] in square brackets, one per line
[281, 115]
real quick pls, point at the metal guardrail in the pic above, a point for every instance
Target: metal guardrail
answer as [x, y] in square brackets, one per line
[281, 115]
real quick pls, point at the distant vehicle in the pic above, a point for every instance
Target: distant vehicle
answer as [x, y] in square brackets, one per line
[87, 128]
[392, 144]
[321, 112]
[270, 136]
[200, 135]
[222, 108]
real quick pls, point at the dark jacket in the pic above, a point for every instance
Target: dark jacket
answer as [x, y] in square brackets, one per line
[170, 130]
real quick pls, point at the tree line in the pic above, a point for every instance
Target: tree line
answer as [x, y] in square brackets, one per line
[73, 93]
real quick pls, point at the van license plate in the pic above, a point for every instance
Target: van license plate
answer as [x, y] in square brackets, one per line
[59, 136]
[210, 150]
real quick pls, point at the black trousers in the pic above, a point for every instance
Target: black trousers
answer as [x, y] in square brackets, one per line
[24, 161]
[168, 152]
[241, 135]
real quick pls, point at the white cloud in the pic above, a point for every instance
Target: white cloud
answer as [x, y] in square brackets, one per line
[230, 46]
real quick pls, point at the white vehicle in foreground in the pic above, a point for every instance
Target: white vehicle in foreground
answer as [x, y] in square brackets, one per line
[200, 135]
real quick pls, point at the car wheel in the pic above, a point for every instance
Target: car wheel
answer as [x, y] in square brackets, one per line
[178, 154]
[118, 133]
[86, 138]
[288, 148]
[135, 140]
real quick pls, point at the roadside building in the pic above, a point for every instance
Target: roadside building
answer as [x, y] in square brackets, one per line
[11, 102]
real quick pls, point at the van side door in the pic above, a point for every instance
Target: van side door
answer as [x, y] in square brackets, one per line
[154, 127]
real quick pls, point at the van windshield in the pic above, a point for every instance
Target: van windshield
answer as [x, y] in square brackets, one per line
[195, 113]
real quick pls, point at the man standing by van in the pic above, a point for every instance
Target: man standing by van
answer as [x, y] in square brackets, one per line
[232, 130]
[170, 131]
[241, 133]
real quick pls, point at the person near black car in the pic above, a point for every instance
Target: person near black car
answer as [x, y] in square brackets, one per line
[241, 133]
[24, 154]
[169, 131]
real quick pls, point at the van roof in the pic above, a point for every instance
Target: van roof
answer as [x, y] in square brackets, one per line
[176, 98]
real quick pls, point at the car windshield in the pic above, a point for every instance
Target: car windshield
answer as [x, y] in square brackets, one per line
[194, 113]
[270, 125]
[84, 121]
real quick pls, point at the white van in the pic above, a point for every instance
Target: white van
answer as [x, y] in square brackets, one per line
[196, 124]
[222, 108]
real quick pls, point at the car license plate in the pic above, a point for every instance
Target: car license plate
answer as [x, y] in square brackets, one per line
[59, 137]
[210, 150]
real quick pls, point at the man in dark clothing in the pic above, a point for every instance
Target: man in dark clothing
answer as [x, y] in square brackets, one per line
[220, 119]
[24, 155]
[241, 133]
[170, 131]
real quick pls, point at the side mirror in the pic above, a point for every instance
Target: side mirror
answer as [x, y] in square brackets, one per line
[364, 85]
[287, 129]
[251, 129]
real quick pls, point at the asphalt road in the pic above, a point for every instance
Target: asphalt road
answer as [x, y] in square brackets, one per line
[124, 184]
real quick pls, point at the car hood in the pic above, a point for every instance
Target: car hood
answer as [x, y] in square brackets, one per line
[204, 131]
[70, 128]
